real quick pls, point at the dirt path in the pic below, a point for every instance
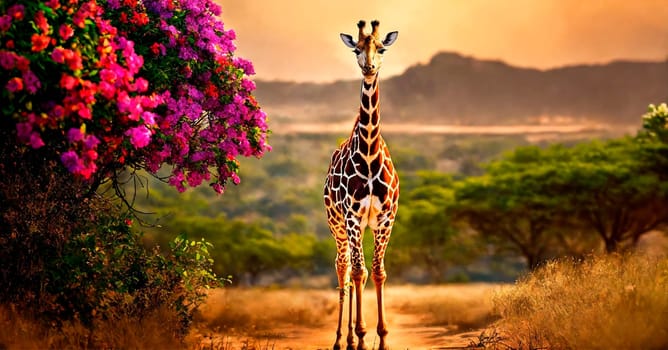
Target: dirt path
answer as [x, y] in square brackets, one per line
[415, 315]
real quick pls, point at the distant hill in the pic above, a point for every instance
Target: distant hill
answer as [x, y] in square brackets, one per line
[454, 89]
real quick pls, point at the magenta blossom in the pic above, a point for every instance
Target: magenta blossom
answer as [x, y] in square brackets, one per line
[140, 136]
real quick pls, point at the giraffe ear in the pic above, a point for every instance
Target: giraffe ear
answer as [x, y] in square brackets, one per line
[348, 40]
[390, 38]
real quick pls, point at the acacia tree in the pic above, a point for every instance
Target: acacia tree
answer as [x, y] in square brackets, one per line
[425, 235]
[538, 202]
[510, 207]
[610, 190]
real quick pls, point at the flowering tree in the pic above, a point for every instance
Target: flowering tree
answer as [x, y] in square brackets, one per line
[116, 84]
[88, 90]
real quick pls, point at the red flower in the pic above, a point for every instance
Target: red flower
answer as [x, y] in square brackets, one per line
[39, 42]
[15, 84]
[9, 44]
[74, 61]
[41, 22]
[22, 63]
[65, 31]
[53, 4]
[84, 111]
[68, 82]
[140, 18]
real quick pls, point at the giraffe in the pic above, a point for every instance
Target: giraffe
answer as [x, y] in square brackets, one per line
[362, 189]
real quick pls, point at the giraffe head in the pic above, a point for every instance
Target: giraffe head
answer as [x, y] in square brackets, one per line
[369, 48]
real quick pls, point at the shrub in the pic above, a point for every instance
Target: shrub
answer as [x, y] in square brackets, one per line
[607, 302]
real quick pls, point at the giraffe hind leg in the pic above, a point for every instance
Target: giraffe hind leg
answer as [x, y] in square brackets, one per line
[381, 239]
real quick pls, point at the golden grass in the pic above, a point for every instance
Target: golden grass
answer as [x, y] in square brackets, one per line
[154, 331]
[253, 311]
[233, 318]
[455, 306]
[606, 302]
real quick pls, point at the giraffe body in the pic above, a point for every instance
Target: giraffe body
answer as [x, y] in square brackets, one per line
[362, 190]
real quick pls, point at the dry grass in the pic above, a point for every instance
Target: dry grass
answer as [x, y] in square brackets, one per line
[259, 311]
[152, 332]
[455, 306]
[305, 319]
[609, 302]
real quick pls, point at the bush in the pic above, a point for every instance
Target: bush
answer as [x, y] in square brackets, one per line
[607, 302]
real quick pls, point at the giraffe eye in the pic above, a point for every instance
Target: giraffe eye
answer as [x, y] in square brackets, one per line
[381, 50]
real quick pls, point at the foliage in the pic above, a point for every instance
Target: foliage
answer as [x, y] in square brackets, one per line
[87, 94]
[102, 91]
[103, 270]
[546, 202]
[244, 251]
[425, 234]
[603, 302]
[655, 123]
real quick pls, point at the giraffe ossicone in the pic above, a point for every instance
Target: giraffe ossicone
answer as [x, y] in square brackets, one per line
[362, 190]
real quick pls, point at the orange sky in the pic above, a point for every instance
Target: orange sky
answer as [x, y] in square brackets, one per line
[299, 39]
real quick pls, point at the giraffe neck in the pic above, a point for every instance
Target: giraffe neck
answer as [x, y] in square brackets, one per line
[368, 121]
[369, 114]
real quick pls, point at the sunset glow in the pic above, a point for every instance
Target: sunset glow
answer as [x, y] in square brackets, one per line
[298, 40]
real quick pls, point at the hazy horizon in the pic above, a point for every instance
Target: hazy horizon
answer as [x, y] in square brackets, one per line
[299, 41]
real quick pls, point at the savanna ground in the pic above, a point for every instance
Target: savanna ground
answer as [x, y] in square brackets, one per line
[420, 317]
[600, 302]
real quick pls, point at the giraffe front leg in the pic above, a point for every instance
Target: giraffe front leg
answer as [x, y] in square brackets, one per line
[381, 239]
[359, 277]
[343, 274]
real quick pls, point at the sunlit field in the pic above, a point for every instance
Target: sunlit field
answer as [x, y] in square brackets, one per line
[419, 316]
[604, 302]
[612, 302]
[607, 302]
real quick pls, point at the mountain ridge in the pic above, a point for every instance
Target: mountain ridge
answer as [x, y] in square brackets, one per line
[462, 90]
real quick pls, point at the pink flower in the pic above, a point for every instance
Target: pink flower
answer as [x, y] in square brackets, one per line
[141, 84]
[23, 131]
[74, 135]
[58, 54]
[65, 31]
[7, 60]
[5, 23]
[91, 142]
[148, 117]
[245, 65]
[140, 136]
[36, 141]
[108, 75]
[31, 81]
[218, 188]
[72, 162]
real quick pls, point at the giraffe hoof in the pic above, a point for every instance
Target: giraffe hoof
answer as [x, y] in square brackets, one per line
[361, 346]
[337, 346]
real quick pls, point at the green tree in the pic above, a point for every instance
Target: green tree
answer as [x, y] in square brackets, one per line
[424, 235]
